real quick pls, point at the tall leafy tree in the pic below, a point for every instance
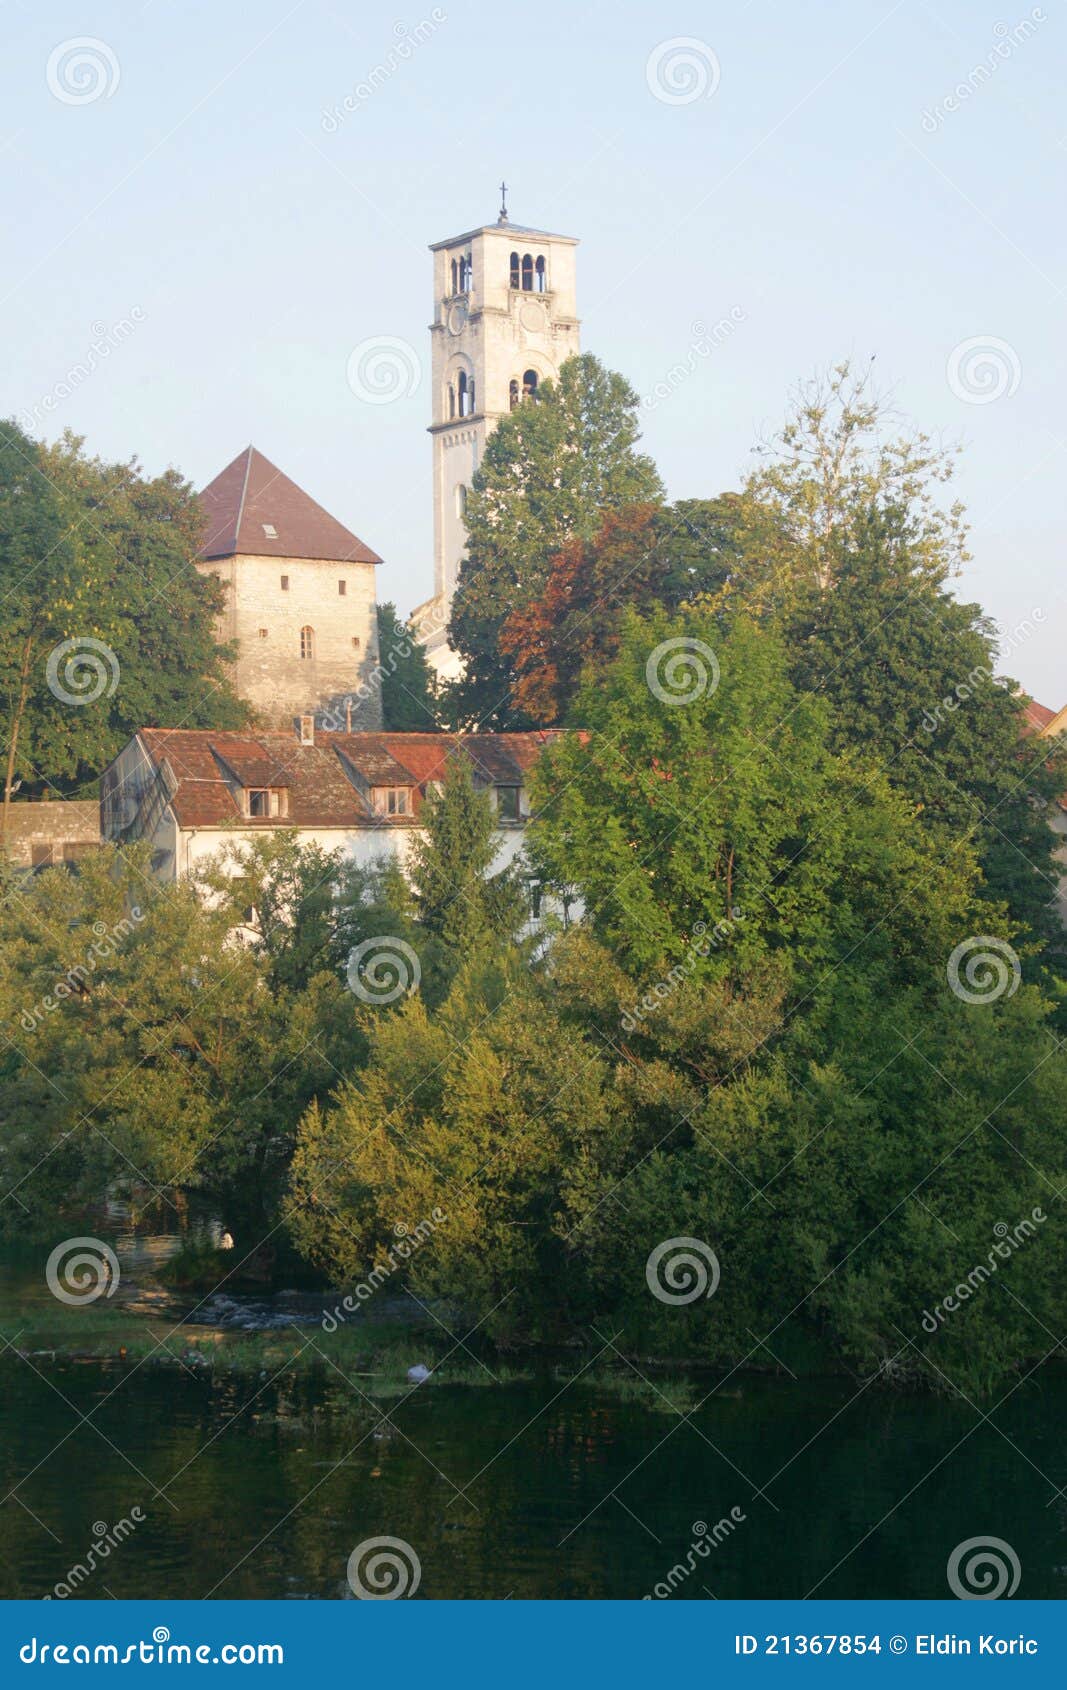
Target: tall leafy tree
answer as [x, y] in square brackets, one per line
[112, 628]
[550, 469]
[458, 899]
[643, 557]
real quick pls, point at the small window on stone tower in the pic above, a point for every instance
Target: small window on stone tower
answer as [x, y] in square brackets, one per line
[527, 274]
[285, 583]
[465, 390]
[307, 642]
[514, 269]
[455, 276]
[451, 400]
[513, 394]
[263, 633]
[466, 274]
[342, 588]
[539, 276]
[529, 383]
[461, 500]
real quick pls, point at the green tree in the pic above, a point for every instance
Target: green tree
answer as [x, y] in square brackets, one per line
[111, 628]
[458, 900]
[911, 677]
[550, 469]
[409, 703]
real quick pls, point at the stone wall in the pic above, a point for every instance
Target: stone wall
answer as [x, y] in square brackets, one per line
[266, 619]
[57, 831]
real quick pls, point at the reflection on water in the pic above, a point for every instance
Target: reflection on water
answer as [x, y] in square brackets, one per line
[563, 1486]
[264, 1487]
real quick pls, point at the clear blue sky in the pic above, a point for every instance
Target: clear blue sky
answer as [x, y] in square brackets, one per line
[807, 194]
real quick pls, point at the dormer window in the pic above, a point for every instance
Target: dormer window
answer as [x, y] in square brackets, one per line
[391, 800]
[507, 804]
[262, 802]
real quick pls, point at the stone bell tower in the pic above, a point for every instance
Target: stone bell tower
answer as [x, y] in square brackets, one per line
[505, 319]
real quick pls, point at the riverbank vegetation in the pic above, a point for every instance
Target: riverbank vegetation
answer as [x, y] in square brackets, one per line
[807, 1031]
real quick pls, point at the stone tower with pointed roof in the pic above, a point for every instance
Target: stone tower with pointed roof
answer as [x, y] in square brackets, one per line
[300, 598]
[505, 319]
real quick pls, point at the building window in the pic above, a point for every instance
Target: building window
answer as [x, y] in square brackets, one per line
[266, 801]
[513, 394]
[355, 641]
[285, 583]
[514, 269]
[307, 642]
[529, 383]
[466, 394]
[41, 856]
[461, 500]
[451, 400]
[269, 530]
[466, 272]
[263, 633]
[342, 588]
[390, 800]
[527, 273]
[507, 804]
[455, 277]
[539, 276]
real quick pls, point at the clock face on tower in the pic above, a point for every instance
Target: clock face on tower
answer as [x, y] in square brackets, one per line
[457, 317]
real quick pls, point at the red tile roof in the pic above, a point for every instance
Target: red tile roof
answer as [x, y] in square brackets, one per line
[1037, 716]
[250, 498]
[322, 779]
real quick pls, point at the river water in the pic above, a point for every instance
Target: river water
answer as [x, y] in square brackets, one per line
[559, 1486]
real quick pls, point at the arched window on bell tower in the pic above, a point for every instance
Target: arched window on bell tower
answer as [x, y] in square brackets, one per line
[515, 270]
[539, 276]
[527, 273]
[451, 401]
[466, 272]
[529, 383]
[513, 394]
[455, 277]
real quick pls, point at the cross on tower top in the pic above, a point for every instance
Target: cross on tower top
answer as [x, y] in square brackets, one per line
[503, 203]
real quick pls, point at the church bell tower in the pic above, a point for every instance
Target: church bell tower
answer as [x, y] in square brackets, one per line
[505, 319]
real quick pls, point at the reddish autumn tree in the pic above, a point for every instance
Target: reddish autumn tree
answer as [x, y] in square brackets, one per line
[643, 556]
